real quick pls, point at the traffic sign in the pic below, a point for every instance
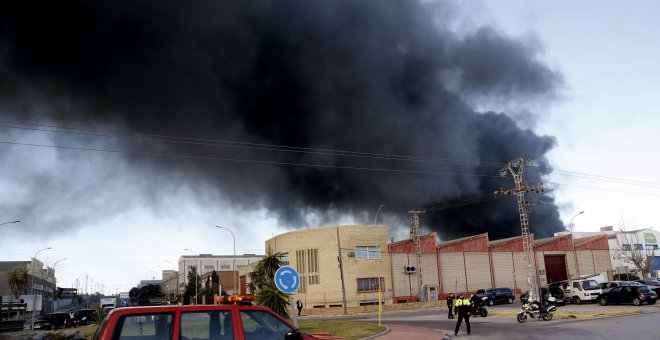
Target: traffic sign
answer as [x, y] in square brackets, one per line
[287, 279]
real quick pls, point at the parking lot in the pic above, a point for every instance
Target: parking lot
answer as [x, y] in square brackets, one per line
[579, 311]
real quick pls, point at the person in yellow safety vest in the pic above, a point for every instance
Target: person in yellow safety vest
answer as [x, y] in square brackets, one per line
[462, 306]
[72, 319]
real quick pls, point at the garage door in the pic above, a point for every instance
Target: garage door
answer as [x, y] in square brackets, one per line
[555, 268]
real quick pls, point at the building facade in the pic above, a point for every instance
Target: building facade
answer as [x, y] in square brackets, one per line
[338, 261]
[207, 263]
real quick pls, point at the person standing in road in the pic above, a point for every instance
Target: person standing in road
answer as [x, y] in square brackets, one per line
[450, 305]
[462, 305]
[299, 305]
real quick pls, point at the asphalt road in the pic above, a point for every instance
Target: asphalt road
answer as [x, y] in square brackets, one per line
[638, 327]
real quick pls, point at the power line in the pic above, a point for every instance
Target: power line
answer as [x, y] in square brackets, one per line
[249, 161]
[238, 144]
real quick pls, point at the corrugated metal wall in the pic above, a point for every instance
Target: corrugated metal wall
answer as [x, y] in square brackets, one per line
[602, 260]
[585, 262]
[503, 269]
[478, 271]
[520, 263]
[453, 272]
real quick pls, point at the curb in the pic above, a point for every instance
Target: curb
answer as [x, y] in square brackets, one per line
[576, 315]
[387, 330]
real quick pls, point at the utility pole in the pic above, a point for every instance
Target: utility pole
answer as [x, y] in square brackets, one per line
[414, 235]
[517, 169]
[341, 273]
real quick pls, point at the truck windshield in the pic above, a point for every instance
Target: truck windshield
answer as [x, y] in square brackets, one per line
[590, 285]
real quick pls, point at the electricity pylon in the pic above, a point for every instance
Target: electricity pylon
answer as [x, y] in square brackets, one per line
[517, 169]
[414, 235]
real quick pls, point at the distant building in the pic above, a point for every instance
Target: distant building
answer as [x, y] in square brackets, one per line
[207, 263]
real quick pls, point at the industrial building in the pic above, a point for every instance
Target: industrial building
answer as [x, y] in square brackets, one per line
[471, 263]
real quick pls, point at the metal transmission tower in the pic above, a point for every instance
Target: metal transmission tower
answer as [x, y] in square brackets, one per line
[517, 169]
[414, 235]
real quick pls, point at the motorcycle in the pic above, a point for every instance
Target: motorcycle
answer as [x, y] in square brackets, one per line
[537, 311]
[480, 307]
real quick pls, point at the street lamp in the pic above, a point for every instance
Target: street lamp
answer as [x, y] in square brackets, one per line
[577, 269]
[54, 281]
[377, 211]
[234, 260]
[34, 298]
[10, 222]
[196, 272]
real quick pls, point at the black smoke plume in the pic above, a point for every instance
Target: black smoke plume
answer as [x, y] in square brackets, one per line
[375, 77]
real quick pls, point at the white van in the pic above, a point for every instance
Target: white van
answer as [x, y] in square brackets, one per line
[581, 290]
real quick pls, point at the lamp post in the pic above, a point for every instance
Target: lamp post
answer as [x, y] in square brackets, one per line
[233, 261]
[34, 298]
[377, 211]
[196, 273]
[54, 280]
[10, 222]
[176, 291]
[577, 269]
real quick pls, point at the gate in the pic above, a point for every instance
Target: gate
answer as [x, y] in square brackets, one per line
[555, 268]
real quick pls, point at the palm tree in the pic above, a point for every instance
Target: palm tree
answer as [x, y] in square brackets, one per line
[262, 284]
[18, 281]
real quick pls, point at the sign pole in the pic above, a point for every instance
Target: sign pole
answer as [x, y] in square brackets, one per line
[287, 281]
[294, 316]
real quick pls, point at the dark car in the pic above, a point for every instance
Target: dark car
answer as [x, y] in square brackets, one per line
[497, 295]
[554, 291]
[629, 294]
[51, 321]
[609, 285]
[649, 282]
[85, 316]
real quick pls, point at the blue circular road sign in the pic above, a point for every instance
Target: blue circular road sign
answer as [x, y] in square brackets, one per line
[287, 279]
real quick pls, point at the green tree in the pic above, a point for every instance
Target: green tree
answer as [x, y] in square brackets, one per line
[192, 281]
[215, 280]
[262, 284]
[18, 281]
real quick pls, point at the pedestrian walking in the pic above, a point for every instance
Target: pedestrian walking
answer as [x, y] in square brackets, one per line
[450, 305]
[462, 305]
[299, 305]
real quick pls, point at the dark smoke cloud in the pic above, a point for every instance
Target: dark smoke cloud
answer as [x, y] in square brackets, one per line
[371, 76]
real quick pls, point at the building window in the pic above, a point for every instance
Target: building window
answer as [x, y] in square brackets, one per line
[370, 284]
[626, 247]
[367, 252]
[209, 267]
[652, 246]
[225, 267]
[638, 247]
[284, 259]
[308, 268]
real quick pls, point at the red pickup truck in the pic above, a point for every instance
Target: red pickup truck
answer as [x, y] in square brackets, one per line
[237, 321]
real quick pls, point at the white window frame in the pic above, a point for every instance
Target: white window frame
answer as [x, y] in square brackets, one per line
[367, 253]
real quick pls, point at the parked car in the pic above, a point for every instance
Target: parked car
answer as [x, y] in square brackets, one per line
[629, 294]
[649, 282]
[85, 316]
[497, 295]
[609, 285]
[554, 291]
[51, 321]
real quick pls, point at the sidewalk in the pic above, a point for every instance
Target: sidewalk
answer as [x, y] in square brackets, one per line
[403, 332]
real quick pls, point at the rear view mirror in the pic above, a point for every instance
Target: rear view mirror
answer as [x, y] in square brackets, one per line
[293, 335]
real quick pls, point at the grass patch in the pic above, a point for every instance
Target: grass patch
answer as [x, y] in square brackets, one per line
[88, 330]
[340, 328]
